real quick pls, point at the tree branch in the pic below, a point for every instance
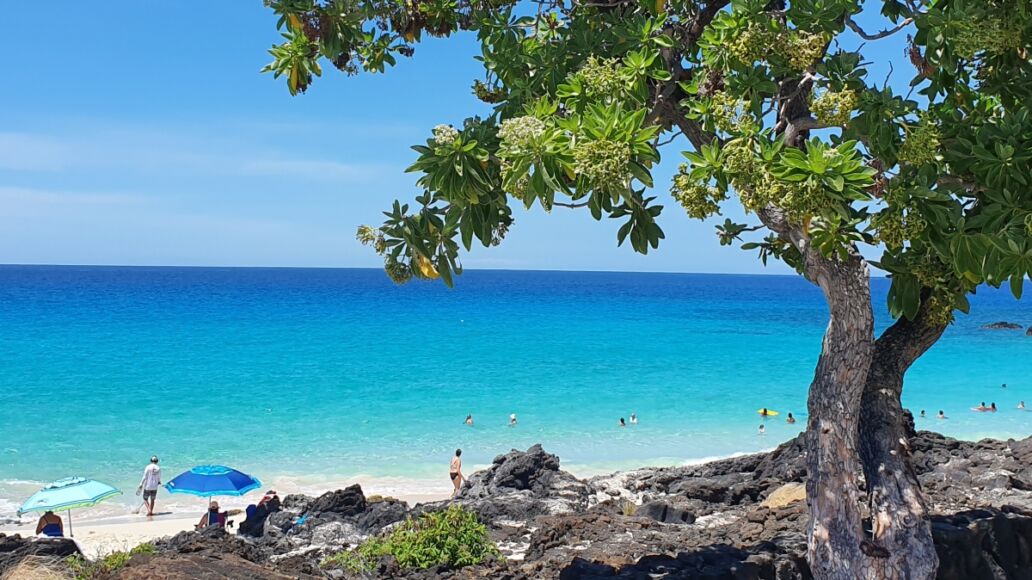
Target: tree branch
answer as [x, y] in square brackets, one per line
[867, 36]
[571, 205]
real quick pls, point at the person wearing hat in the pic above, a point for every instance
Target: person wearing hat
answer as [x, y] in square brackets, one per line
[150, 483]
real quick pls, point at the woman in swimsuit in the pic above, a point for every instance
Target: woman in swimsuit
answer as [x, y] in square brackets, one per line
[50, 524]
[455, 472]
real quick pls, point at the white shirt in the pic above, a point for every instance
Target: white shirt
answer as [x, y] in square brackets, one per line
[151, 477]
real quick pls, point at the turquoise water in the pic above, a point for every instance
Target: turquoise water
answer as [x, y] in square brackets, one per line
[287, 372]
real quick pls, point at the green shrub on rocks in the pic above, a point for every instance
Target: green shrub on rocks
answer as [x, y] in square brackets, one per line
[454, 537]
[86, 569]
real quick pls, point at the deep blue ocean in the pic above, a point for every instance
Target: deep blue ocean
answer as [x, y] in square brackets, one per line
[333, 373]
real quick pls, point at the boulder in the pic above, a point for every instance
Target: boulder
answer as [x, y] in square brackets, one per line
[785, 495]
[208, 566]
[14, 548]
[983, 545]
[1002, 325]
[661, 511]
[349, 501]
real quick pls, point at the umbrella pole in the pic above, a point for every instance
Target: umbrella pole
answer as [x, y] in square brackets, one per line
[71, 534]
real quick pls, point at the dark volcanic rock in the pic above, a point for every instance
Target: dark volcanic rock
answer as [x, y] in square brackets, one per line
[207, 566]
[1002, 325]
[664, 512]
[211, 542]
[349, 501]
[983, 544]
[14, 548]
[520, 485]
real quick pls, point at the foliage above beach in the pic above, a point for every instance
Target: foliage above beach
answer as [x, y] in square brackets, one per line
[766, 104]
[453, 536]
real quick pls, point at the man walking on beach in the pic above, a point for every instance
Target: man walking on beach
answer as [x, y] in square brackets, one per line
[150, 483]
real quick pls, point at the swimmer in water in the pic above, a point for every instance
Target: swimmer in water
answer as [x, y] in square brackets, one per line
[1003, 386]
[763, 430]
[469, 420]
[981, 408]
[942, 415]
[790, 419]
[622, 424]
[634, 419]
[764, 412]
[512, 420]
[992, 407]
[1021, 405]
[922, 414]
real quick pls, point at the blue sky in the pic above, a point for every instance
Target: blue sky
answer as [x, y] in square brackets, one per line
[142, 133]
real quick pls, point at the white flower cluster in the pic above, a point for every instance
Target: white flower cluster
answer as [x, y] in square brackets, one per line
[521, 131]
[445, 135]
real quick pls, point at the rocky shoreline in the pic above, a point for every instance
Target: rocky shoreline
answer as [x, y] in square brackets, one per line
[740, 518]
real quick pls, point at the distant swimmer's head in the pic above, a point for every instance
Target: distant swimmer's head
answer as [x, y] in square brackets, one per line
[154, 459]
[622, 423]
[458, 452]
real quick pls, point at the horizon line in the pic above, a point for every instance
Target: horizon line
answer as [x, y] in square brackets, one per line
[239, 267]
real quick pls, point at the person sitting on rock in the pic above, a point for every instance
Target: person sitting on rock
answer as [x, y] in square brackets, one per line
[50, 524]
[254, 525]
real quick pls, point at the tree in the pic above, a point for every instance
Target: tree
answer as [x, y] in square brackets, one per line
[775, 115]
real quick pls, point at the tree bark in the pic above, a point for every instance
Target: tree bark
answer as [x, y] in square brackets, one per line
[837, 546]
[898, 511]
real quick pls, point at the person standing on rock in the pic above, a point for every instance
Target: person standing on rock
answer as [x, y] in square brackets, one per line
[150, 483]
[455, 472]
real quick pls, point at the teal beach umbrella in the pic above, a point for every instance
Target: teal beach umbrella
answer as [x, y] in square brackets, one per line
[68, 494]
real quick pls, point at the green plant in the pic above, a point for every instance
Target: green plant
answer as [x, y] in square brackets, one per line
[84, 569]
[453, 536]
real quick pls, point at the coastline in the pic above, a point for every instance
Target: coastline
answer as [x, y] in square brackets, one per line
[111, 526]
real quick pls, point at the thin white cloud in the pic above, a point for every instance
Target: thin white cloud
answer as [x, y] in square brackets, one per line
[29, 152]
[133, 151]
[314, 169]
[25, 197]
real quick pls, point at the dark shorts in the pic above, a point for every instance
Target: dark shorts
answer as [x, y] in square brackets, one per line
[454, 476]
[150, 494]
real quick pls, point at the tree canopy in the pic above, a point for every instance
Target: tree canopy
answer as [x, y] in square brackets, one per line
[776, 114]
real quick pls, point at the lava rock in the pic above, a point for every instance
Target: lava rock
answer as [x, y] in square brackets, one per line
[14, 548]
[1002, 325]
[663, 512]
[349, 501]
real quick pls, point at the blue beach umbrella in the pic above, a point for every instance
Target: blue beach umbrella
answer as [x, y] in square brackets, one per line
[68, 494]
[210, 480]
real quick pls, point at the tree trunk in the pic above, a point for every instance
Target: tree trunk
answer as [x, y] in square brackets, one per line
[837, 546]
[836, 537]
[898, 510]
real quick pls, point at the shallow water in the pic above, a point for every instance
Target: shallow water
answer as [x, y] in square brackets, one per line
[323, 374]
